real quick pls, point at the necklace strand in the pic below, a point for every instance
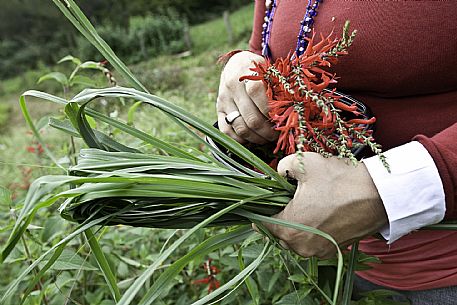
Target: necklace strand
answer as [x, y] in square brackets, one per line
[305, 26]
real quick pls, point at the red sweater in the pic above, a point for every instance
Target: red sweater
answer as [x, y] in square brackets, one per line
[403, 66]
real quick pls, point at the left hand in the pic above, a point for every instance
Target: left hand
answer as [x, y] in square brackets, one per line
[333, 196]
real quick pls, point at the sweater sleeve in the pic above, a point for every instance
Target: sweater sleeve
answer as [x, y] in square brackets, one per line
[255, 43]
[443, 149]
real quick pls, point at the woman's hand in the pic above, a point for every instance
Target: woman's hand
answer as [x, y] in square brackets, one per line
[246, 97]
[335, 197]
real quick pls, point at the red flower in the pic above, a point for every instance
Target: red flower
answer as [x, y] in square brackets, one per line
[306, 113]
[210, 279]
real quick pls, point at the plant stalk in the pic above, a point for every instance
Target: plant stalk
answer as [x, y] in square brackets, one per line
[35, 271]
[350, 275]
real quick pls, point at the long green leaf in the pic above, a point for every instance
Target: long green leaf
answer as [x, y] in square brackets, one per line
[71, 10]
[253, 291]
[170, 149]
[108, 274]
[35, 132]
[350, 275]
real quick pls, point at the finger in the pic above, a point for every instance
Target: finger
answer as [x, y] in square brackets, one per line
[238, 127]
[276, 230]
[227, 129]
[291, 167]
[254, 227]
[257, 93]
[308, 245]
[253, 118]
[283, 244]
[243, 131]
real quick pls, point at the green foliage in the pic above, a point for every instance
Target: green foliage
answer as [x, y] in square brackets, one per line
[77, 78]
[33, 31]
[145, 37]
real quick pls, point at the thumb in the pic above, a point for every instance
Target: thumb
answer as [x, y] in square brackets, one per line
[291, 167]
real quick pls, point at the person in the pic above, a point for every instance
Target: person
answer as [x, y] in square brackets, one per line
[402, 65]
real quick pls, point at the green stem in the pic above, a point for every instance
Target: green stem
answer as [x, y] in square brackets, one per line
[36, 270]
[350, 275]
[103, 263]
[313, 268]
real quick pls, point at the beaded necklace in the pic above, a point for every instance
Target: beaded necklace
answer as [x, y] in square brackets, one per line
[305, 26]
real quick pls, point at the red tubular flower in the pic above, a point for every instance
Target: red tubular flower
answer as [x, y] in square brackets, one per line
[301, 107]
[210, 279]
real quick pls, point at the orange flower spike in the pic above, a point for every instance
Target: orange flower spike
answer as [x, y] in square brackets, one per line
[325, 41]
[251, 77]
[309, 48]
[320, 71]
[362, 121]
[280, 144]
[306, 61]
[293, 119]
[344, 107]
[291, 144]
[308, 74]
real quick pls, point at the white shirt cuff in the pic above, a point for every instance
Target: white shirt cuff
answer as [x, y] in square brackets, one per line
[412, 194]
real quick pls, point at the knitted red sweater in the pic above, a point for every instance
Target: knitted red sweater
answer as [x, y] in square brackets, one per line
[403, 66]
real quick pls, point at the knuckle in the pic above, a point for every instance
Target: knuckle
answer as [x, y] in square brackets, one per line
[241, 130]
[254, 88]
[232, 84]
[224, 128]
[254, 122]
[220, 102]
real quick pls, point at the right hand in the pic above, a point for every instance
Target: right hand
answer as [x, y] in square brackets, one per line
[248, 98]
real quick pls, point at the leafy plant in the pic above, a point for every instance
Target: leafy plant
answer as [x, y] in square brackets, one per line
[76, 77]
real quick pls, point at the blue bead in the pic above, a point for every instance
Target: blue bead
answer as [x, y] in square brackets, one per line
[312, 13]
